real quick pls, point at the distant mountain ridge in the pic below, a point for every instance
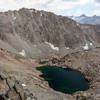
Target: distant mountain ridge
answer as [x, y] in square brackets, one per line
[83, 19]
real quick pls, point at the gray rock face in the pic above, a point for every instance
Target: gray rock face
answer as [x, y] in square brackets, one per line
[28, 92]
[42, 34]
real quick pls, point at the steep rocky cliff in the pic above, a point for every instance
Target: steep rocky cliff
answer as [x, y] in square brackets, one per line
[41, 34]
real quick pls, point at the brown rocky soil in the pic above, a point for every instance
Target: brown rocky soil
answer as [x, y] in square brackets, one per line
[19, 79]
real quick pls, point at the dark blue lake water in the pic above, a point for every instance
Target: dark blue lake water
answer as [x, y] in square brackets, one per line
[64, 80]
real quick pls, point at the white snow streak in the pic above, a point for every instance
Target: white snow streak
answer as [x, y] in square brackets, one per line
[91, 44]
[52, 46]
[23, 85]
[86, 47]
[41, 14]
[14, 18]
[67, 48]
[22, 53]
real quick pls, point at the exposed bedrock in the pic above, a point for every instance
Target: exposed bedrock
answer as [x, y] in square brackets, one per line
[42, 34]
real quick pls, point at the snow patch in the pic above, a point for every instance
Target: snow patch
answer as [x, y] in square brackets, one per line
[41, 14]
[22, 53]
[23, 85]
[14, 18]
[77, 24]
[86, 47]
[91, 44]
[67, 48]
[52, 46]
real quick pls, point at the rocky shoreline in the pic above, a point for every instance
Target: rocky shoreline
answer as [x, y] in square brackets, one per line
[19, 79]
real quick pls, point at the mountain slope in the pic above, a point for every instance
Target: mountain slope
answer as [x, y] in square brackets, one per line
[43, 34]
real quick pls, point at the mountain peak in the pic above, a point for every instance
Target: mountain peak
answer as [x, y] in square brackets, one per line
[83, 15]
[83, 19]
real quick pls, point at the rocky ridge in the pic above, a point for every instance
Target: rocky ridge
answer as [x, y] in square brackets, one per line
[42, 34]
